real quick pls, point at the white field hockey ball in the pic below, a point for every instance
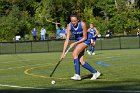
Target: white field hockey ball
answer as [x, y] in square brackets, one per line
[53, 82]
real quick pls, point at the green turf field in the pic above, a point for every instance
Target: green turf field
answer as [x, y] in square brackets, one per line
[29, 73]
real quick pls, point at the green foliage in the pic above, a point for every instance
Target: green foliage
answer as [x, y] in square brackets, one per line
[9, 24]
[20, 16]
[117, 16]
[15, 20]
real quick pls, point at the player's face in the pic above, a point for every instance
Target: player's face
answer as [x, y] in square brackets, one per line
[91, 25]
[74, 21]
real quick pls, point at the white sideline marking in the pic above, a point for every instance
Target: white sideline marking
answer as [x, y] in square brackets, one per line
[13, 86]
[4, 62]
[120, 91]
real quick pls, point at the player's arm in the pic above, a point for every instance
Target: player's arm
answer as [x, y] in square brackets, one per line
[88, 30]
[52, 21]
[84, 33]
[66, 41]
[96, 32]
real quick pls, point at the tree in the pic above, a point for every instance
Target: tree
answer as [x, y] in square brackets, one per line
[20, 16]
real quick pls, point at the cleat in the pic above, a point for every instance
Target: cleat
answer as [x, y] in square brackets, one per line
[88, 52]
[76, 77]
[95, 75]
[93, 53]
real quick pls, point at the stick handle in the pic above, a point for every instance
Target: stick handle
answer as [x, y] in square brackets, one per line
[59, 62]
[67, 50]
[55, 68]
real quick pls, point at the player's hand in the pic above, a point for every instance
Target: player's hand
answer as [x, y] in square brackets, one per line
[63, 56]
[72, 45]
[94, 36]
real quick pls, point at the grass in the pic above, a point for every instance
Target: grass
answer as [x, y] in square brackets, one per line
[119, 68]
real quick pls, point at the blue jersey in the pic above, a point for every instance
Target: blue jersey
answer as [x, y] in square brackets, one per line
[91, 33]
[78, 32]
[63, 31]
[34, 32]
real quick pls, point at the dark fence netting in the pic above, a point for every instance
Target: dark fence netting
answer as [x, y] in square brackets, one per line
[120, 42]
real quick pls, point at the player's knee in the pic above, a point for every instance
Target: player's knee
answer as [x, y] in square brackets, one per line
[93, 43]
[82, 62]
[74, 54]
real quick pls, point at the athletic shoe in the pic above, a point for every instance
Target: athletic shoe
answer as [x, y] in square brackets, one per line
[76, 77]
[95, 75]
[93, 53]
[88, 52]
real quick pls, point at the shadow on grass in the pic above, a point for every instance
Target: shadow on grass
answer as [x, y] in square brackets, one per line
[88, 76]
[110, 87]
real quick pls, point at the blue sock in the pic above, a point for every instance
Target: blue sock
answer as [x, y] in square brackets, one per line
[77, 66]
[92, 49]
[90, 68]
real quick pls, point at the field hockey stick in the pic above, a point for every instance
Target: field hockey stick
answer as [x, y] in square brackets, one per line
[59, 62]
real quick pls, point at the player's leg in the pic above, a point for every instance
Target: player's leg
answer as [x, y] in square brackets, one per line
[44, 38]
[41, 37]
[93, 46]
[35, 38]
[89, 51]
[87, 66]
[79, 48]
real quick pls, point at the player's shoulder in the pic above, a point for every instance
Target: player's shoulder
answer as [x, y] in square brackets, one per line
[94, 27]
[69, 26]
[83, 23]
